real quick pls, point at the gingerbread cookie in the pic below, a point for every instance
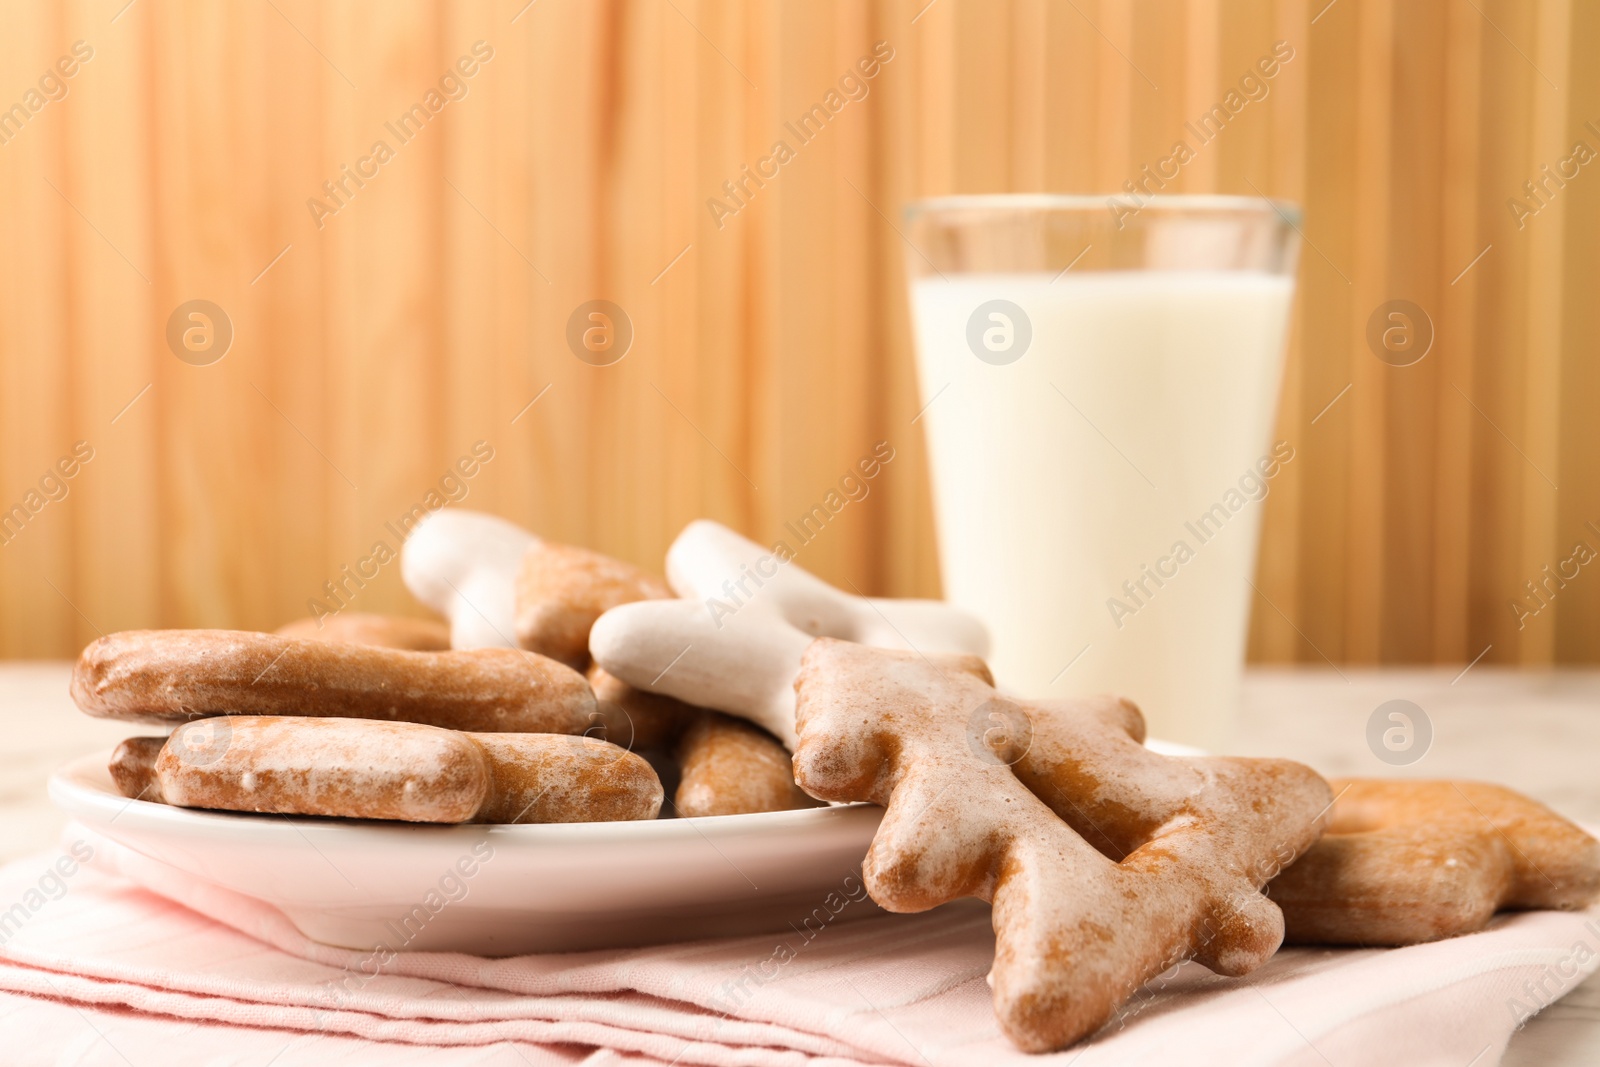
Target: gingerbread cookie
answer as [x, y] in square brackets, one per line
[722, 767]
[562, 589]
[734, 642]
[730, 767]
[1411, 861]
[463, 564]
[175, 675]
[1076, 932]
[634, 718]
[133, 768]
[363, 769]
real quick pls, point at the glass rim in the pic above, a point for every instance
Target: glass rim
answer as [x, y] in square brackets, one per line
[1200, 203]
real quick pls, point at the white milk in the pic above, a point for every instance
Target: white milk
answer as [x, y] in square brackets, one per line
[1142, 399]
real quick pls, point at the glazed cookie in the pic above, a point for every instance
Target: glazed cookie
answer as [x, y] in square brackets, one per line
[723, 767]
[634, 718]
[1412, 861]
[463, 564]
[562, 589]
[363, 769]
[133, 768]
[170, 676]
[731, 767]
[929, 739]
[733, 643]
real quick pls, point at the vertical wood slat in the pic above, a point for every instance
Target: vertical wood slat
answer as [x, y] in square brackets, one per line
[1326, 59]
[417, 321]
[1202, 75]
[907, 560]
[1461, 241]
[474, 406]
[1273, 635]
[1404, 624]
[1030, 134]
[33, 391]
[1114, 93]
[1369, 287]
[116, 324]
[1579, 446]
[1511, 96]
[1545, 287]
[813, 367]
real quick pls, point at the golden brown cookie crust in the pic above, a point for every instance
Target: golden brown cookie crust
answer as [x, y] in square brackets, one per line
[1076, 932]
[133, 768]
[365, 769]
[563, 589]
[171, 676]
[731, 767]
[1410, 861]
[634, 718]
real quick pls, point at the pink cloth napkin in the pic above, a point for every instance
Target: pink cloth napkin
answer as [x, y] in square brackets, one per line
[95, 968]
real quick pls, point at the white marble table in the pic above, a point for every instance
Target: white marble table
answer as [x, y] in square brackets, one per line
[1539, 733]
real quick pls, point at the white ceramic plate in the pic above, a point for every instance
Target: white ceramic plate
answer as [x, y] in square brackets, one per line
[544, 888]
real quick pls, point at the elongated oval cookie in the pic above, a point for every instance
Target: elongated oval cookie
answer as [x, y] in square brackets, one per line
[732, 767]
[168, 676]
[363, 769]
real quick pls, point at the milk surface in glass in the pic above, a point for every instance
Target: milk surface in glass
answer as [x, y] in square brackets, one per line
[1099, 497]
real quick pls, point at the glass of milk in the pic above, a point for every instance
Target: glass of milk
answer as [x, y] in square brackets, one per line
[1099, 382]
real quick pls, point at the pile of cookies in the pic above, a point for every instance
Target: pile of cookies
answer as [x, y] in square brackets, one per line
[498, 717]
[568, 686]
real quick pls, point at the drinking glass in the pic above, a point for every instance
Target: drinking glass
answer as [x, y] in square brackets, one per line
[1099, 382]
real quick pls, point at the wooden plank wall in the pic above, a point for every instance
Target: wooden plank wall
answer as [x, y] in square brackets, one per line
[375, 345]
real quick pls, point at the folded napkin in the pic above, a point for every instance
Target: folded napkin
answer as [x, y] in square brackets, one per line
[134, 963]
